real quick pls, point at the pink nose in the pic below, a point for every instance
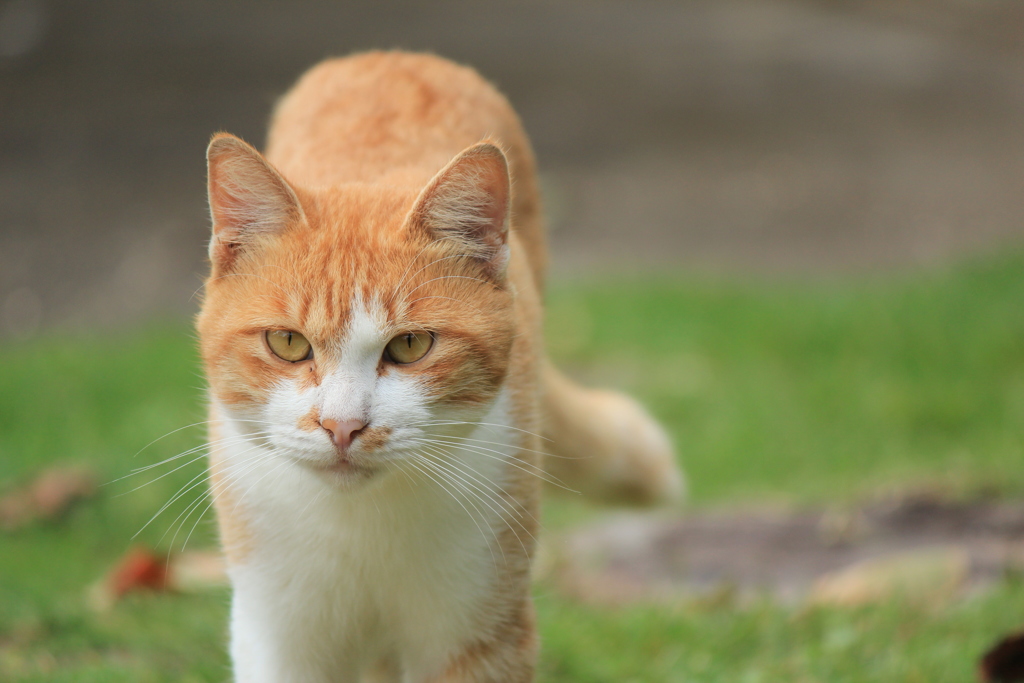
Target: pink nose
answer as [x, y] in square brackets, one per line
[342, 431]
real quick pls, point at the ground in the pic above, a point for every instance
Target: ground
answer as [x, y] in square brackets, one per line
[778, 396]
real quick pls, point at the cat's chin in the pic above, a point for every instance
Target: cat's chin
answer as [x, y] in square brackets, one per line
[341, 474]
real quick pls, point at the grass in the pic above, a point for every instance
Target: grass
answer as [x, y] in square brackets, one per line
[812, 392]
[802, 393]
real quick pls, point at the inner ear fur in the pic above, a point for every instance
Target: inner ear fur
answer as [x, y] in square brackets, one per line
[467, 203]
[248, 198]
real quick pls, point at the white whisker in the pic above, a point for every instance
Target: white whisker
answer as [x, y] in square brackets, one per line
[421, 460]
[449, 298]
[181, 492]
[518, 508]
[442, 423]
[498, 443]
[195, 449]
[223, 487]
[412, 262]
[170, 472]
[490, 493]
[511, 460]
[448, 277]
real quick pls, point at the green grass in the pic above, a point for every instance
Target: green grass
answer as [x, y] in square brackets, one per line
[808, 393]
[813, 392]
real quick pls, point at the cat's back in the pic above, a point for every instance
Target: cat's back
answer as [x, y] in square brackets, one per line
[396, 118]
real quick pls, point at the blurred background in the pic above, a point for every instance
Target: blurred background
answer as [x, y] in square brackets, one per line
[794, 229]
[808, 136]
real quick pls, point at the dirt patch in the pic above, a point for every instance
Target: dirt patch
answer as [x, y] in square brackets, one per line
[923, 546]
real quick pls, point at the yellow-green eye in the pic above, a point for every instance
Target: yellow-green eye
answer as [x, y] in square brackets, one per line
[289, 346]
[408, 347]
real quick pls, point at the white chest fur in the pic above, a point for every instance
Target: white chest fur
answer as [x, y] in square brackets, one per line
[401, 568]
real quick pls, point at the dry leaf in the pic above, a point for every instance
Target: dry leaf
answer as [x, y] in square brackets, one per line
[924, 575]
[47, 497]
[141, 569]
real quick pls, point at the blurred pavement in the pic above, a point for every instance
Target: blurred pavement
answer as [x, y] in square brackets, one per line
[724, 135]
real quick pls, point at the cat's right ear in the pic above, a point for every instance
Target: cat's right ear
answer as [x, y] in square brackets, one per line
[248, 199]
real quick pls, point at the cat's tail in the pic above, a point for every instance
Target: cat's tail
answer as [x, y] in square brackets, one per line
[605, 445]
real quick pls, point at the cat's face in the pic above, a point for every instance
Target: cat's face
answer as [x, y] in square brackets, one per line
[346, 328]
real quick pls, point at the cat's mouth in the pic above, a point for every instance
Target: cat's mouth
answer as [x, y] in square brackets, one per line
[341, 469]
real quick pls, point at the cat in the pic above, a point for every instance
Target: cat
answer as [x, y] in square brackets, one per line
[378, 391]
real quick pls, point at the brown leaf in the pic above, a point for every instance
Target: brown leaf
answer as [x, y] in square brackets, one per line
[138, 569]
[924, 575]
[47, 497]
[141, 569]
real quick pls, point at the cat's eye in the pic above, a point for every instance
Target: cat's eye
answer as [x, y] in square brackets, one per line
[408, 347]
[289, 346]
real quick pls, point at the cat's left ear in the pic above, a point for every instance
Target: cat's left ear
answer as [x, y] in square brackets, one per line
[467, 204]
[249, 199]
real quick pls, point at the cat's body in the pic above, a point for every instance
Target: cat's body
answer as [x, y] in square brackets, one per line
[377, 486]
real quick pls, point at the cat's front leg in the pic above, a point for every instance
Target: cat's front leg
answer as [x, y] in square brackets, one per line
[506, 655]
[271, 642]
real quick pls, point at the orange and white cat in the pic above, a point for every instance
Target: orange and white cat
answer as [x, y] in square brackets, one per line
[371, 333]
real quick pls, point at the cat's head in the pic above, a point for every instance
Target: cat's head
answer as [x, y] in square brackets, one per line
[343, 326]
